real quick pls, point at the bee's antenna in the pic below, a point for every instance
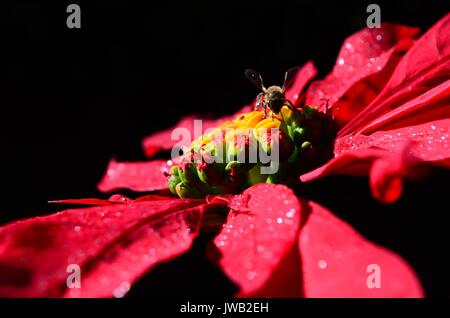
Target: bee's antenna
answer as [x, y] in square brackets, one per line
[289, 77]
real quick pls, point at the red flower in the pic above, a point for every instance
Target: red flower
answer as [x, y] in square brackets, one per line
[389, 93]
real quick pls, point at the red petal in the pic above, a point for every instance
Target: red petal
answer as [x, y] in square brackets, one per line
[386, 171]
[431, 105]
[365, 62]
[153, 197]
[136, 176]
[260, 233]
[428, 142]
[389, 156]
[338, 262]
[114, 245]
[386, 180]
[425, 65]
[304, 75]
[116, 198]
[83, 201]
[353, 163]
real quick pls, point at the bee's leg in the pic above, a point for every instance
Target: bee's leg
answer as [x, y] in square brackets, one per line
[289, 104]
[259, 100]
[282, 117]
[264, 110]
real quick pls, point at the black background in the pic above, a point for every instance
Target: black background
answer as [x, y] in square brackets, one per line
[73, 98]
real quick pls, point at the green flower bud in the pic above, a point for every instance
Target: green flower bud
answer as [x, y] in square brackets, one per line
[253, 149]
[185, 191]
[172, 183]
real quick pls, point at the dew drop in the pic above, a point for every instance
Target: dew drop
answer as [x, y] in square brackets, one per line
[120, 291]
[251, 275]
[322, 264]
[76, 228]
[279, 220]
[341, 61]
[290, 213]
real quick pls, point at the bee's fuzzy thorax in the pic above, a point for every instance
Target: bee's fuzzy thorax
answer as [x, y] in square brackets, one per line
[273, 89]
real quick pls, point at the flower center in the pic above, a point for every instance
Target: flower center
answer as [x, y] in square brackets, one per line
[251, 149]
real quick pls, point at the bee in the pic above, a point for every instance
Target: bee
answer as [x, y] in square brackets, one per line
[273, 97]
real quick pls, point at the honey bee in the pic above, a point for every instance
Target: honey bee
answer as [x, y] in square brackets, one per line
[273, 97]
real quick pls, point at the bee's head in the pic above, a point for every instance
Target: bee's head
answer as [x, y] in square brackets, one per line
[275, 98]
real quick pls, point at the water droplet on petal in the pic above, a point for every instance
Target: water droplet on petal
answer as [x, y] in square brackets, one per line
[322, 264]
[290, 213]
[251, 275]
[121, 291]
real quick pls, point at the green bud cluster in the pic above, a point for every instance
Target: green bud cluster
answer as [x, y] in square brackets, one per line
[220, 162]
